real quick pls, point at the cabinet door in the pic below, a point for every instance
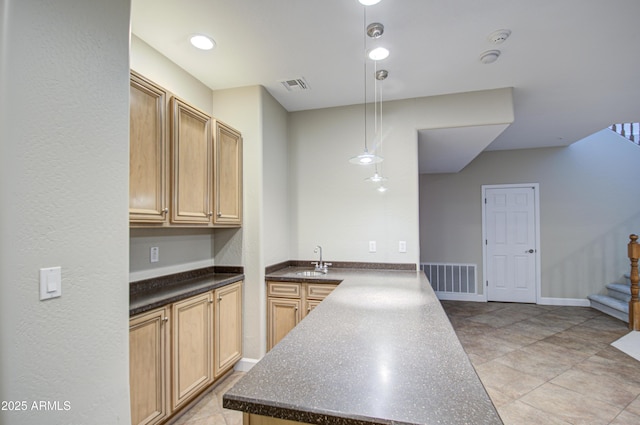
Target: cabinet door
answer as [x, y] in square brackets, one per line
[192, 335]
[149, 367]
[147, 152]
[228, 327]
[228, 176]
[284, 315]
[191, 165]
[310, 305]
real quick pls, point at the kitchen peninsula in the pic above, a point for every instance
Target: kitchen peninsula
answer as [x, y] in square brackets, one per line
[378, 350]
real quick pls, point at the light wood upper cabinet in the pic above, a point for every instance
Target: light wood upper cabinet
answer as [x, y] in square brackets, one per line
[186, 168]
[228, 327]
[191, 164]
[149, 367]
[228, 176]
[148, 188]
[192, 344]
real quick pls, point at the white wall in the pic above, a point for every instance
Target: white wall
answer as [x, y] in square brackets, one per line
[158, 68]
[276, 182]
[241, 108]
[64, 88]
[332, 204]
[588, 208]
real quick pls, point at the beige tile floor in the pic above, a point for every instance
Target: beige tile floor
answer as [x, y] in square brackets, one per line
[549, 364]
[209, 410]
[540, 365]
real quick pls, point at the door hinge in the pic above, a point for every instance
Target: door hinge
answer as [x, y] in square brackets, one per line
[487, 283]
[485, 200]
[485, 242]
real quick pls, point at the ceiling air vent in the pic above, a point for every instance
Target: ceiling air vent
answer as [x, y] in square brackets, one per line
[296, 84]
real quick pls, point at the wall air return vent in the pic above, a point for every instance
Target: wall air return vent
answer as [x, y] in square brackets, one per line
[295, 84]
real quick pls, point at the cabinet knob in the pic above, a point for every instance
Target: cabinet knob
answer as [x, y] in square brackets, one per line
[219, 298]
[165, 210]
[165, 320]
[210, 213]
[295, 308]
[219, 214]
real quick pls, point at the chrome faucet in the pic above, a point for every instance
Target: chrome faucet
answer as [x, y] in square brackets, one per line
[320, 266]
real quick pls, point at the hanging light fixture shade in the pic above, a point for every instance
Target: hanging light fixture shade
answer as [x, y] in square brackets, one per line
[376, 178]
[366, 157]
[380, 75]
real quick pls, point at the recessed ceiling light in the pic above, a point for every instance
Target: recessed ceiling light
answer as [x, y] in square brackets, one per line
[490, 56]
[369, 2]
[378, 53]
[202, 42]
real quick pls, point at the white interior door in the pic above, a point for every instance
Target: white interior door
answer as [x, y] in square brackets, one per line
[511, 251]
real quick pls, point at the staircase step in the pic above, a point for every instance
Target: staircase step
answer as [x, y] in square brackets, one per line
[611, 306]
[619, 291]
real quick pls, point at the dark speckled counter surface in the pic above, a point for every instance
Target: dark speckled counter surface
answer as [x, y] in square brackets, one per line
[379, 349]
[151, 293]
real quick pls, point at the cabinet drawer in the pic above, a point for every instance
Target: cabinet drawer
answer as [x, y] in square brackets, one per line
[319, 291]
[283, 289]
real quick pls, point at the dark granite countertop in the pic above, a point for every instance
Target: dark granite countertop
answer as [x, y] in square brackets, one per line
[378, 350]
[152, 293]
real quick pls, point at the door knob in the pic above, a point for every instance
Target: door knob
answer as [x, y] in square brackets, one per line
[531, 251]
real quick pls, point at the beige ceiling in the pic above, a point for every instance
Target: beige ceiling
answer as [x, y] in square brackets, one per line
[573, 64]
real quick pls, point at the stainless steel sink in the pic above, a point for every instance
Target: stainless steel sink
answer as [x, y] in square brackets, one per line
[310, 273]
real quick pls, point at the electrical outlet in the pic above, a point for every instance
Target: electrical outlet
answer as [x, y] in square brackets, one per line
[402, 246]
[154, 254]
[372, 246]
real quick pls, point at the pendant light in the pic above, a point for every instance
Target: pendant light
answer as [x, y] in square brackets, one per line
[380, 75]
[366, 157]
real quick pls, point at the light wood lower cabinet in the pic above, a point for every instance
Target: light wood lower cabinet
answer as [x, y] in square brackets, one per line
[192, 347]
[228, 327]
[149, 367]
[284, 315]
[290, 302]
[177, 351]
[253, 419]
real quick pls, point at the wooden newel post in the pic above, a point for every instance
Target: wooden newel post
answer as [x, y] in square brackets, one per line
[634, 303]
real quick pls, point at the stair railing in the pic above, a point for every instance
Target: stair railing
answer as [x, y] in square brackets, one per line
[629, 130]
[634, 303]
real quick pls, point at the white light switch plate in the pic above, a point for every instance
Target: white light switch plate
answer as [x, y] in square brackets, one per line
[50, 283]
[372, 246]
[402, 246]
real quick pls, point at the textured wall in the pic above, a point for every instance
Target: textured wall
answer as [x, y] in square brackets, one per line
[64, 189]
[588, 208]
[242, 108]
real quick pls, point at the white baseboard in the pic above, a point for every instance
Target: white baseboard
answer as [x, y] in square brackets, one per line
[245, 364]
[572, 302]
[453, 296]
[164, 271]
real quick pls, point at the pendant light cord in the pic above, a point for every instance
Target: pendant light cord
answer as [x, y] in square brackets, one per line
[364, 43]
